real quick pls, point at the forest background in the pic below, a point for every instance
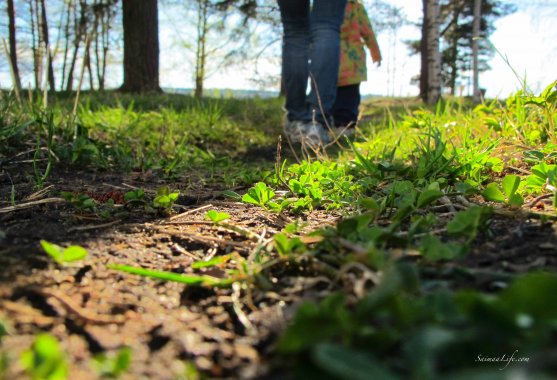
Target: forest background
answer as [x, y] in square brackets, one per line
[241, 45]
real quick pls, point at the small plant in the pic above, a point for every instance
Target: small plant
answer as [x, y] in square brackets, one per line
[62, 255]
[113, 366]
[260, 195]
[40, 178]
[433, 249]
[133, 196]
[216, 216]
[81, 202]
[45, 360]
[165, 199]
[286, 246]
[542, 175]
[469, 222]
[3, 330]
[175, 277]
[507, 193]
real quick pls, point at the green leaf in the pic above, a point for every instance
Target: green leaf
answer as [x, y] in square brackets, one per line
[349, 364]
[467, 223]
[113, 366]
[493, 193]
[63, 255]
[532, 294]
[53, 250]
[211, 263]
[495, 164]
[216, 216]
[248, 198]
[510, 185]
[433, 249]
[423, 348]
[286, 246]
[232, 194]
[170, 276]
[314, 324]
[429, 196]
[45, 360]
[533, 156]
[74, 253]
[3, 331]
[466, 188]
[259, 195]
[134, 195]
[516, 200]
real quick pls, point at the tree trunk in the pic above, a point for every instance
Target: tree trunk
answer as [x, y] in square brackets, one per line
[433, 53]
[66, 43]
[98, 14]
[44, 32]
[424, 71]
[80, 26]
[200, 53]
[454, 64]
[475, 49]
[141, 46]
[13, 45]
[35, 45]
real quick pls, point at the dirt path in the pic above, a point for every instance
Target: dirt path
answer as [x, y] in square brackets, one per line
[92, 309]
[225, 332]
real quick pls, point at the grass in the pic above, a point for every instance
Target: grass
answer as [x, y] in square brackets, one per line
[388, 186]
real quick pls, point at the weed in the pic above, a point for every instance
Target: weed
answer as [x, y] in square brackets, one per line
[260, 195]
[62, 255]
[216, 216]
[165, 199]
[507, 193]
[45, 360]
[175, 277]
[396, 332]
[40, 178]
[113, 366]
[81, 202]
[469, 222]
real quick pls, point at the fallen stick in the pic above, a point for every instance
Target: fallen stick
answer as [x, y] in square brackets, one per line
[22, 206]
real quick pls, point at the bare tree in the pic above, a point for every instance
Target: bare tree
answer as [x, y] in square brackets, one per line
[104, 13]
[67, 23]
[201, 46]
[46, 44]
[36, 43]
[80, 31]
[475, 49]
[13, 45]
[433, 60]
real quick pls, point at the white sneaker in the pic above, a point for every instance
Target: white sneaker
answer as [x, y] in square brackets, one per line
[311, 133]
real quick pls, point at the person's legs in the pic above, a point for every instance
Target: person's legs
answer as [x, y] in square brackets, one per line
[326, 19]
[295, 56]
[347, 102]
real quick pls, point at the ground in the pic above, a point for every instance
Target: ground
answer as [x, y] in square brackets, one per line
[226, 333]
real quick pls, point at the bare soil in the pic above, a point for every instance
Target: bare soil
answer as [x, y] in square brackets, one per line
[227, 333]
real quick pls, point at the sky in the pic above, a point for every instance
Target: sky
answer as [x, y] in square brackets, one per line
[527, 40]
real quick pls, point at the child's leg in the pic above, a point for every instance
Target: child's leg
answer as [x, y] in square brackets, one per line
[345, 109]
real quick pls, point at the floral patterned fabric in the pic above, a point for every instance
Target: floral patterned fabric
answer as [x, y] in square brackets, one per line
[356, 31]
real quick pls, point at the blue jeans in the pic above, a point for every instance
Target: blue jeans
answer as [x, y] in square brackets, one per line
[347, 103]
[310, 50]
